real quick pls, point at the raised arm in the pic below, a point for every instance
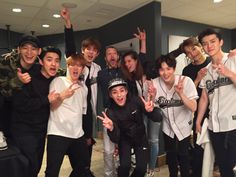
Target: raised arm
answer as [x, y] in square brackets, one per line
[70, 47]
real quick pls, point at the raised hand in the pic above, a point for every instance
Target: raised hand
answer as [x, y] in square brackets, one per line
[149, 106]
[53, 97]
[180, 86]
[221, 69]
[67, 93]
[66, 16]
[107, 122]
[24, 77]
[201, 73]
[141, 35]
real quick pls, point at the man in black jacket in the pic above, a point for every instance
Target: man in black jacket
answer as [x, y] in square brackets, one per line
[124, 121]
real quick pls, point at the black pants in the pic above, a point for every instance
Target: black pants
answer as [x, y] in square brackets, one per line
[196, 158]
[58, 147]
[32, 147]
[224, 145]
[141, 157]
[177, 153]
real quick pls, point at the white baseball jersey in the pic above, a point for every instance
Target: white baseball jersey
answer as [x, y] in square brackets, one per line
[178, 119]
[66, 120]
[222, 97]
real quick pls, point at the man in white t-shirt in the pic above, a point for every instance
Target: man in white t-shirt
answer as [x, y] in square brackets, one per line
[219, 89]
[65, 132]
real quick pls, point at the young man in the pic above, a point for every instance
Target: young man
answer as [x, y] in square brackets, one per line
[90, 48]
[65, 133]
[176, 95]
[23, 58]
[31, 108]
[196, 71]
[125, 126]
[218, 89]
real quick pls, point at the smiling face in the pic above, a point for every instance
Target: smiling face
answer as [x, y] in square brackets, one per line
[167, 74]
[130, 63]
[112, 57]
[28, 54]
[212, 45]
[119, 95]
[90, 53]
[193, 52]
[75, 69]
[50, 64]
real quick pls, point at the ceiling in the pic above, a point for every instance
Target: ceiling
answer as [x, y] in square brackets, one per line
[95, 13]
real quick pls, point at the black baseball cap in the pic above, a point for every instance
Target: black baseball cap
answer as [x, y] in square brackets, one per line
[29, 39]
[116, 82]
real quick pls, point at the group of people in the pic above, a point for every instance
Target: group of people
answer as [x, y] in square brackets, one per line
[42, 102]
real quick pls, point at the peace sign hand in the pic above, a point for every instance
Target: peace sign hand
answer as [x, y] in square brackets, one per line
[221, 69]
[149, 106]
[107, 122]
[141, 35]
[67, 93]
[180, 86]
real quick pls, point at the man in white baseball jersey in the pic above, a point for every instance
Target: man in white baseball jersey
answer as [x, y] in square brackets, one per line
[219, 89]
[176, 95]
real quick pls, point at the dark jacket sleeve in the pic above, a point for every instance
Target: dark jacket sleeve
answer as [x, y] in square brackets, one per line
[70, 47]
[175, 53]
[155, 115]
[114, 135]
[142, 57]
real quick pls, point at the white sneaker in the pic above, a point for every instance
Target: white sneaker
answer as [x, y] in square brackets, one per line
[150, 173]
[3, 143]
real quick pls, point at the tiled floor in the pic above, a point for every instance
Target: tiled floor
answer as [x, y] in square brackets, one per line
[97, 164]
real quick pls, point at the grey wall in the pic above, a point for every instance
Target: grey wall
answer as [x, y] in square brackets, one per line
[8, 40]
[233, 41]
[171, 26]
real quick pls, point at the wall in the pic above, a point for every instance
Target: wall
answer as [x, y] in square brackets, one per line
[233, 39]
[5, 37]
[186, 28]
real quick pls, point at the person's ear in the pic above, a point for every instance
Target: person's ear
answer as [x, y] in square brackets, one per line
[40, 61]
[39, 51]
[221, 42]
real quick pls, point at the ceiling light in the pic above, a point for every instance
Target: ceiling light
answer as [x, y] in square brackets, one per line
[46, 26]
[217, 1]
[16, 10]
[56, 16]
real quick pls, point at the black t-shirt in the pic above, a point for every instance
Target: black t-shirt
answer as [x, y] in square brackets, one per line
[191, 71]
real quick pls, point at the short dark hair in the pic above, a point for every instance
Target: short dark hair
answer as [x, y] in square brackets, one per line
[90, 41]
[138, 73]
[207, 32]
[170, 61]
[52, 49]
[29, 39]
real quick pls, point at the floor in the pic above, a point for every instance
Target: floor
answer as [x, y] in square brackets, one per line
[97, 164]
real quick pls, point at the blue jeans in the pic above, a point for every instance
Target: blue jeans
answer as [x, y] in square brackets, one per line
[153, 130]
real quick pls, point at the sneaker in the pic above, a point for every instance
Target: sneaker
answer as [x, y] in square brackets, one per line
[3, 143]
[150, 173]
